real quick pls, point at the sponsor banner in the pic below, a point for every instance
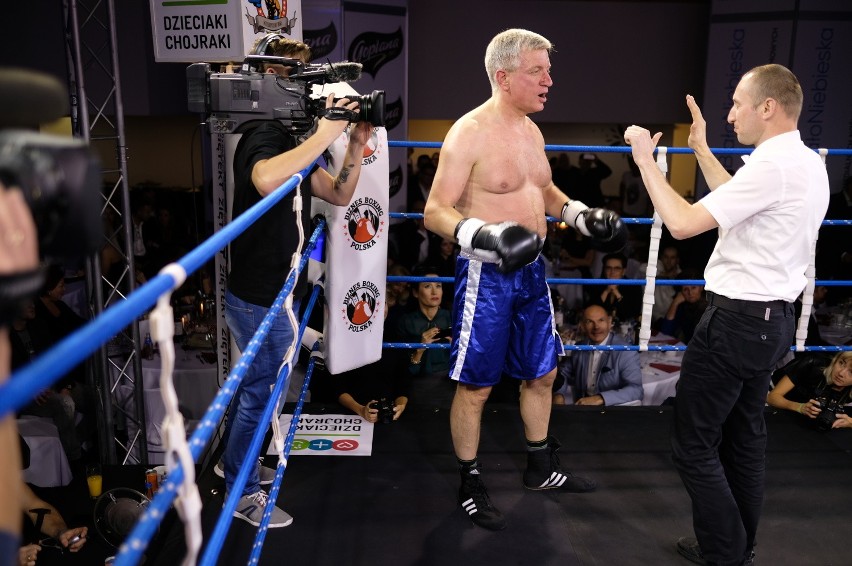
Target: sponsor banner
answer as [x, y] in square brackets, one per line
[328, 435]
[356, 256]
[824, 69]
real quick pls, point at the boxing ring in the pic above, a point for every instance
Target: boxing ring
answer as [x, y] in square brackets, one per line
[180, 487]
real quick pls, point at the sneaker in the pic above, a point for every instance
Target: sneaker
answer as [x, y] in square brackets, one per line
[250, 509]
[688, 548]
[473, 498]
[266, 475]
[544, 472]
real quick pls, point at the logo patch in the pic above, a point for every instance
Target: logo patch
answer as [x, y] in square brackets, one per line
[359, 305]
[364, 223]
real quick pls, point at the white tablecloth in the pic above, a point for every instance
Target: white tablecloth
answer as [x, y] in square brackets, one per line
[196, 386]
[660, 370]
[48, 462]
[195, 381]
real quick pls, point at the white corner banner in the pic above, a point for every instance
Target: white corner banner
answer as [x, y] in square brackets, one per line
[356, 255]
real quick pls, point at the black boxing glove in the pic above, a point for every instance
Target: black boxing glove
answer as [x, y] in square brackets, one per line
[604, 227]
[507, 244]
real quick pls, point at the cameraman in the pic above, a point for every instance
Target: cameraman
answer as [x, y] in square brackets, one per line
[807, 379]
[18, 255]
[265, 158]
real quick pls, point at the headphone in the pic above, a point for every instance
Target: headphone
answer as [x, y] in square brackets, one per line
[264, 43]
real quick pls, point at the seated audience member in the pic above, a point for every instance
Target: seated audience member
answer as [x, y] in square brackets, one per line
[428, 324]
[399, 299]
[623, 302]
[379, 384]
[51, 310]
[45, 521]
[409, 240]
[573, 261]
[685, 310]
[364, 390]
[599, 377]
[28, 339]
[442, 257]
[668, 267]
[812, 384]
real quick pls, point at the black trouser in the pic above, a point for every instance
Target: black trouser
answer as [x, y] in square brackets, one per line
[719, 435]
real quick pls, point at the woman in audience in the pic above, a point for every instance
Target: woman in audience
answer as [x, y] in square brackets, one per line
[818, 388]
[429, 323]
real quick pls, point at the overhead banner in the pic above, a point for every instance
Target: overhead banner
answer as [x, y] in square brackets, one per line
[822, 63]
[812, 39]
[218, 31]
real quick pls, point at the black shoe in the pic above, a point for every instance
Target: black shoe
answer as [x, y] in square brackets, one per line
[688, 548]
[473, 498]
[544, 472]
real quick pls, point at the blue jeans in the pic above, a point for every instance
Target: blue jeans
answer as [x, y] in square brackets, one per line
[719, 435]
[254, 391]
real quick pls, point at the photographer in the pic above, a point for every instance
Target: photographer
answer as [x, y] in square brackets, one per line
[265, 158]
[817, 388]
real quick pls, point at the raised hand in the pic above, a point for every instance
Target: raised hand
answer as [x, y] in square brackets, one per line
[698, 129]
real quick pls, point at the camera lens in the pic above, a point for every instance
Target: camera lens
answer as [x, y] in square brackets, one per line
[373, 108]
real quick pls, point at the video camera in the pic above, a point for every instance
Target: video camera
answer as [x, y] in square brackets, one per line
[59, 176]
[232, 99]
[60, 180]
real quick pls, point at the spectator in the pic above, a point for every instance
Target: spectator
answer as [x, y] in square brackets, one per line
[428, 324]
[668, 267]
[685, 310]
[574, 261]
[635, 202]
[442, 257]
[47, 521]
[587, 180]
[600, 377]
[622, 302]
[410, 240]
[420, 185]
[28, 339]
[810, 383]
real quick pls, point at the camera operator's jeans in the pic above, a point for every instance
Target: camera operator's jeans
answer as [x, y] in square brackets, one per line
[719, 434]
[254, 391]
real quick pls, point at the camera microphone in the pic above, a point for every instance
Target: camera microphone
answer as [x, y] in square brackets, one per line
[29, 98]
[342, 72]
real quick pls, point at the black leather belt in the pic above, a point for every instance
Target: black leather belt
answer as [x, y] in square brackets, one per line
[759, 309]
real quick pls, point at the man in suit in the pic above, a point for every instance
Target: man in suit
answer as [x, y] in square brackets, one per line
[600, 377]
